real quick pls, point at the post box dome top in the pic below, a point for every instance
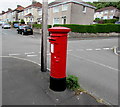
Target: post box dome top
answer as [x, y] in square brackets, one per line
[59, 29]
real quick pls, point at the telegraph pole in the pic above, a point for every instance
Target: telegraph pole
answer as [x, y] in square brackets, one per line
[44, 35]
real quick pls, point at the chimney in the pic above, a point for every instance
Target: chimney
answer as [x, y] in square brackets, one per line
[9, 9]
[3, 11]
[18, 5]
[34, 1]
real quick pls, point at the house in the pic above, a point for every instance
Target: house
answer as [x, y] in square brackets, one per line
[9, 15]
[31, 13]
[107, 13]
[15, 13]
[4, 16]
[70, 12]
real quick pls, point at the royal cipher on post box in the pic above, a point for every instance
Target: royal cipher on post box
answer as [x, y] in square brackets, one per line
[58, 49]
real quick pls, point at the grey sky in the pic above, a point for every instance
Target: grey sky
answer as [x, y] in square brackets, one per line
[5, 4]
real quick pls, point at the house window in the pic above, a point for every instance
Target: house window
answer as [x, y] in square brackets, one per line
[40, 11]
[22, 13]
[30, 10]
[112, 11]
[105, 17]
[84, 9]
[64, 7]
[56, 20]
[106, 11]
[110, 17]
[56, 9]
[27, 11]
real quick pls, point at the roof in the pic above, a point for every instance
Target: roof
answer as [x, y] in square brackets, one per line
[34, 5]
[29, 15]
[19, 8]
[106, 8]
[8, 11]
[60, 2]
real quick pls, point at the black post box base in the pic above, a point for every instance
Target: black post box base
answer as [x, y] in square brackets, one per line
[57, 84]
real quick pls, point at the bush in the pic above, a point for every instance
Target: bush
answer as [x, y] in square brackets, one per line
[110, 20]
[39, 26]
[72, 82]
[97, 28]
[22, 21]
[15, 22]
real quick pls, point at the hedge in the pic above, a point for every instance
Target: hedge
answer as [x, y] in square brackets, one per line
[106, 21]
[97, 28]
[39, 26]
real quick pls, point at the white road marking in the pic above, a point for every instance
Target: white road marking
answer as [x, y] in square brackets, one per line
[29, 53]
[14, 54]
[107, 66]
[98, 49]
[106, 48]
[89, 49]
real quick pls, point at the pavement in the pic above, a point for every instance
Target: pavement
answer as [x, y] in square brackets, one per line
[23, 83]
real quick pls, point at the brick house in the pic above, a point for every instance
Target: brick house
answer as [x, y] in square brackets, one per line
[15, 13]
[107, 13]
[31, 13]
[70, 12]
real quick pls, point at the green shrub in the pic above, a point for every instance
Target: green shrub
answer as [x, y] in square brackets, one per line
[22, 21]
[39, 26]
[97, 28]
[72, 82]
[110, 21]
[15, 22]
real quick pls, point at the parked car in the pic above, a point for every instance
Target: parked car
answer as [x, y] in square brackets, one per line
[1, 23]
[16, 25]
[6, 26]
[25, 29]
[117, 22]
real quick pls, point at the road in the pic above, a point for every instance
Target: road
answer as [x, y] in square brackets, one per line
[92, 60]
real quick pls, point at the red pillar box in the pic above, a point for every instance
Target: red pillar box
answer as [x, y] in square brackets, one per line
[58, 48]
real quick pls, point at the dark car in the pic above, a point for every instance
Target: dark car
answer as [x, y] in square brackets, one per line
[24, 30]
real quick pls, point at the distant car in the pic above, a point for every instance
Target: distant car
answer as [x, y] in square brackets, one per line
[1, 23]
[24, 30]
[6, 26]
[117, 22]
[16, 25]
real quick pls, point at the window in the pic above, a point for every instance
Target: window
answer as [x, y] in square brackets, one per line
[64, 7]
[105, 17]
[56, 20]
[112, 11]
[22, 13]
[40, 11]
[27, 11]
[56, 9]
[30, 10]
[84, 9]
[110, 17]
[106, 11]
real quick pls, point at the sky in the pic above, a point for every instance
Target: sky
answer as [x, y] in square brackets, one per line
[5, 4]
